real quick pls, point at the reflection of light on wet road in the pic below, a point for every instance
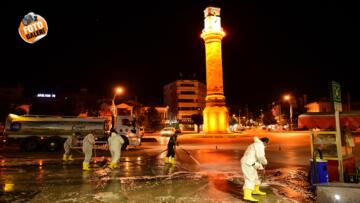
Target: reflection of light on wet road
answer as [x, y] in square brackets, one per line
[127, 167]
[40, 175]
[337, 197]
[291, 155]
[8, 187]
[3, 163]
[209, 156]
[217, 181]
[40, 162]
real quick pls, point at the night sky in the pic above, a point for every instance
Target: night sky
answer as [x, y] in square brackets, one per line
[271, 47]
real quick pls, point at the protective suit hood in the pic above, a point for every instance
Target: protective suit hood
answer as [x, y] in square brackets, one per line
[256, 139]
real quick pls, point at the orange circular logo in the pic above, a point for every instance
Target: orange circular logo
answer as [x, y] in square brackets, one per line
[32, 28]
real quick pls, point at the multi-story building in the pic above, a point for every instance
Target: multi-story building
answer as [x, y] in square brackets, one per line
[319, 106]
[184, 98]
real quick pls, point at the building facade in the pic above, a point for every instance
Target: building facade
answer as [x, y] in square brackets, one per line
[319, 106]
[184, 98]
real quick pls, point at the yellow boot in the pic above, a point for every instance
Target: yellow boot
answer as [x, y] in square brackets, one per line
[113, 166]
[65, 157]
[86, 167]
[257, 191]
[166, 159]
[248, 196]
[172, 160]
[70, 158]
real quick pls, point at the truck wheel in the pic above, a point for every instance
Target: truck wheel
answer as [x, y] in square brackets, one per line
[53, 144]
[30, 144]
[126, 142]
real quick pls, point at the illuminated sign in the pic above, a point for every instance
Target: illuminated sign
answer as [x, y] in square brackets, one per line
[42, 95]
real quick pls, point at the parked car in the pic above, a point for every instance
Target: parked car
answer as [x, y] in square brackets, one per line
[168, 131]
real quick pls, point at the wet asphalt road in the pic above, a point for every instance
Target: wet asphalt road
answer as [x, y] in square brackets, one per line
[206, 170]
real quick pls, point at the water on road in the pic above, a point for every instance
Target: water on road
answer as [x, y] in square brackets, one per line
[204, 172]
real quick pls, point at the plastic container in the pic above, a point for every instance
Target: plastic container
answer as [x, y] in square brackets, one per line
[318, 171]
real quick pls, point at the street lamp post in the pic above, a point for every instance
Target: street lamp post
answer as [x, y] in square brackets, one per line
[239, 118]
[288, 98]
[118, 91]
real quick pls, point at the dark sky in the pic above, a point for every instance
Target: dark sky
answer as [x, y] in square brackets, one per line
[271, 47]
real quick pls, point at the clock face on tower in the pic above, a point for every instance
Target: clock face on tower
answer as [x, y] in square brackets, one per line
[212, 24]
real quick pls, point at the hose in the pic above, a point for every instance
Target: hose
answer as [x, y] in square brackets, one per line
[196, 161]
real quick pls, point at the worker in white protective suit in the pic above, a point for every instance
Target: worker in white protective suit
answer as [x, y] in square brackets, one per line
[254, 159]
[88, 144]
[115, 142]
[70, 142]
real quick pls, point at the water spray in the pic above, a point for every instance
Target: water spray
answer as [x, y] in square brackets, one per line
[196, 161]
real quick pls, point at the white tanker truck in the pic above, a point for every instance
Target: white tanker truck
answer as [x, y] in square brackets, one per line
[33, 131]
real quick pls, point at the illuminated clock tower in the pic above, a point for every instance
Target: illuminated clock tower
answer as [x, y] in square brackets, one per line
[216, 115]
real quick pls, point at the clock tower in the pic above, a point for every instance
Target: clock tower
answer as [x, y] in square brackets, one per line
[216, 115]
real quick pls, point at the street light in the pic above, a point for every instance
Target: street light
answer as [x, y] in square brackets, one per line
[288, 98]
[118, 91]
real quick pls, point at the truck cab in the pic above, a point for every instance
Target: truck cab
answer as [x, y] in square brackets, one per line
[126, 126]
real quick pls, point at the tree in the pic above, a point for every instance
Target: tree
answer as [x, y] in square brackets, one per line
[197, 119]
[104, 107]
[268, 118]
[152, 119]
[140, 120]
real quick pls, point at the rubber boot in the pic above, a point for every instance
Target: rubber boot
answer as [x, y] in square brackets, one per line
[257, 191]
[70, 158]
[65, 157]
[86, 167]
[248, 196]
[113, 166]
[172, 160]
[110, 166]
[116, 165]
[166, 159]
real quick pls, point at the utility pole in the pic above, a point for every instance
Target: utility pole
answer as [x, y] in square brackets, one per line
[336, 98]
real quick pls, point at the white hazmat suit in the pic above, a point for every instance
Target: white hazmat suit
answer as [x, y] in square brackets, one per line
[70, 142]
[115, 142]
[253, 159]
[88, 143]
